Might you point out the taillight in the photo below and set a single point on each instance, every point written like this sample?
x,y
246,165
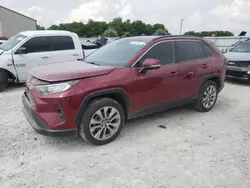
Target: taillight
x,y
226,61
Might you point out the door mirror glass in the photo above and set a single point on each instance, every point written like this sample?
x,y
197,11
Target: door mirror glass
x,y
22,50
150,64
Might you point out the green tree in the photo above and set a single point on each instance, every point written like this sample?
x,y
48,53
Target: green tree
x,y
209,33
38,27
161,31
126,34
110,33
123,28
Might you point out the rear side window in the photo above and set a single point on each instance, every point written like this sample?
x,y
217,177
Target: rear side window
x,y
162,51
207,50
188,51
63,43
38,44
202,54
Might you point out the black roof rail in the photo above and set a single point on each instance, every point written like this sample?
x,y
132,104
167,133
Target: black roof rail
x,y
167,36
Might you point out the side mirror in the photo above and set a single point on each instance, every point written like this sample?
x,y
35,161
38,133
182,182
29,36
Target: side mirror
x,y
22,50
224,50
150,64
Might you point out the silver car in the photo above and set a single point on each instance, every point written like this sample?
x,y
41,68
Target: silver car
x,y
239,60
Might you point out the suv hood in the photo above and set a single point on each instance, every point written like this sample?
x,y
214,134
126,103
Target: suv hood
x,y
238,56
69,71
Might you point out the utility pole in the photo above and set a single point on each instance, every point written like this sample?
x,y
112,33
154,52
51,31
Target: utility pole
x,y
181,26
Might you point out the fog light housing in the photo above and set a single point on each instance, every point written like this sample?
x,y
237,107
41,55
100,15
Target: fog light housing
x,y
60,114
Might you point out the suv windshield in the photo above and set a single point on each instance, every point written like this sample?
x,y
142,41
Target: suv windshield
x,y
116,53
12,42
242,47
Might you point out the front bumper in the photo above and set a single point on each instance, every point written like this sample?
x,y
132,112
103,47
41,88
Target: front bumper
x,y
238,72
39,126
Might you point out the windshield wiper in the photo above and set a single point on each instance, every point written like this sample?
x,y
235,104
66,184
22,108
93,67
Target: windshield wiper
x,y
92,63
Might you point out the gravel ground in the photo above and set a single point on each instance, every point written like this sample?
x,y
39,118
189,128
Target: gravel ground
x,y
195,150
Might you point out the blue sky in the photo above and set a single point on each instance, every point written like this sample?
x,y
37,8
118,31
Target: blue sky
x,y
233,15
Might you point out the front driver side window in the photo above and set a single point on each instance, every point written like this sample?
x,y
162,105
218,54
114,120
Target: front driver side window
x,y
162,51
38,44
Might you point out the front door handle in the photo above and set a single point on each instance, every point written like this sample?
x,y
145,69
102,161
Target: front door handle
x,y
174,73
75,54
189,74
204,66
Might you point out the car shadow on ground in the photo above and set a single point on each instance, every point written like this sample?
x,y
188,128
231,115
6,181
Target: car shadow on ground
x,y
133,125
238,81
13,86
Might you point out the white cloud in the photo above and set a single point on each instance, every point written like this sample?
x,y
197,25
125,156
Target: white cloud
x,y
234,16
198,14
42,15
100,10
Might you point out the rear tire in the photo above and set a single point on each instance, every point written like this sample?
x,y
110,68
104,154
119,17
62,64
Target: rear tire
x,y
102,121
207,96
3,79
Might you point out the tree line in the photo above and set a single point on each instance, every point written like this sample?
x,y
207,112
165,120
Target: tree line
x,y
122,28
116,28
210,33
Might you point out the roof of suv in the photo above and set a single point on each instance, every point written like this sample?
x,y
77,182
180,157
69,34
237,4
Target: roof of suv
x,y
152,38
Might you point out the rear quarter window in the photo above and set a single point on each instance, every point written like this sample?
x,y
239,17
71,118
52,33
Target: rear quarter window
x,y
63,43
207,50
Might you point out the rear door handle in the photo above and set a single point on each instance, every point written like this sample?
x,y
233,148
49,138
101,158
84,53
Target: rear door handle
x,y
205,66
75,54
189,74
45,57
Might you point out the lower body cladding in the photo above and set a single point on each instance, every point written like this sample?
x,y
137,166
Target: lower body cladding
x,y
40,126
238,72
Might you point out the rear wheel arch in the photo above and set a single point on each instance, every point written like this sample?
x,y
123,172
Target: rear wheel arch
x,y
117,94
213,77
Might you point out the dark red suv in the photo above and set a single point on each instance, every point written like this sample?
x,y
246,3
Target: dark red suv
x,y
127,78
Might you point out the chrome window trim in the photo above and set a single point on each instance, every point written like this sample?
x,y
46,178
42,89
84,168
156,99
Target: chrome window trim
x,y
174,50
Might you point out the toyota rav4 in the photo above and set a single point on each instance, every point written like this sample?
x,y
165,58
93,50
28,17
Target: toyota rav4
x,y
127,78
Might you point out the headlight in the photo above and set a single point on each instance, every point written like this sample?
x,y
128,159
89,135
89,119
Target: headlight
x,y
56,88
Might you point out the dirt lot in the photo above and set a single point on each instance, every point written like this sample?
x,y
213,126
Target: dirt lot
x,y
195,150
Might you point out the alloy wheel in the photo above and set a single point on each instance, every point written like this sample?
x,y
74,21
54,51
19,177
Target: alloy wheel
x,y
209,96
104,123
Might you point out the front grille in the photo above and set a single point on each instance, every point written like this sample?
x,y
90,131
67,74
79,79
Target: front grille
x,y
239,63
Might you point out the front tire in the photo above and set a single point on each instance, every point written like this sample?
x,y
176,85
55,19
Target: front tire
x,y
102,121
3,79
207,96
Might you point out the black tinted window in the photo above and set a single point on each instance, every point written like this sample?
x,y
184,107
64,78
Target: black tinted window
x,y
207,50
202,55
63,43
163,52
187,51
38,44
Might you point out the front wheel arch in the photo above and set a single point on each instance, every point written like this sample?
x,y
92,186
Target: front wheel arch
x,y
10,74
118,94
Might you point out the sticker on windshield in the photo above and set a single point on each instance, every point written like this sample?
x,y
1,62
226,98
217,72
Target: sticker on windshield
x,y
138,43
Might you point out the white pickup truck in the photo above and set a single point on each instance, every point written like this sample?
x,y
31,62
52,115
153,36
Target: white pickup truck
x,y
31,49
